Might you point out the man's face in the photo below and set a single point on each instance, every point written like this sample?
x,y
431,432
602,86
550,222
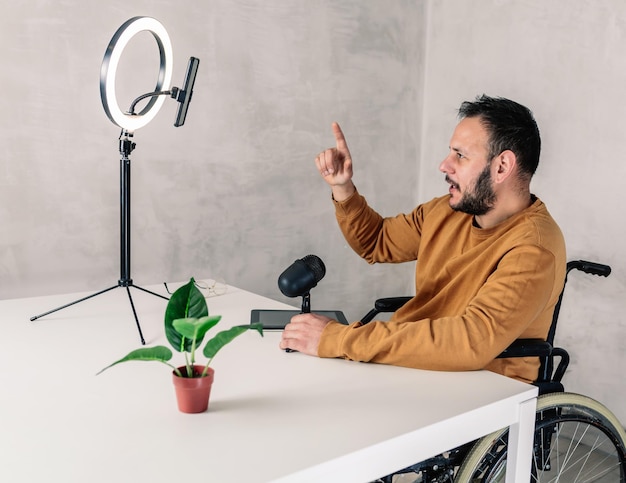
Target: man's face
x,y
468,170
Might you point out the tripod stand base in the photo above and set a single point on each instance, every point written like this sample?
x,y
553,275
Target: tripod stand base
x,y
121,283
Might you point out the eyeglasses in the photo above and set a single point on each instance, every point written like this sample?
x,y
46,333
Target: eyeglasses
x,y
212,287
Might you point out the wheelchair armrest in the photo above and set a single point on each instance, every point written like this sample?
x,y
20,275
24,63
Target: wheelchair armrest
x,y
549,380
390,304
527,348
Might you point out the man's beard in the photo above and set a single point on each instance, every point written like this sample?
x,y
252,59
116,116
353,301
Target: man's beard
x,y
481,199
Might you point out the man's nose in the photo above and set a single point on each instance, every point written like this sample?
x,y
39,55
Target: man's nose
x,y
445,166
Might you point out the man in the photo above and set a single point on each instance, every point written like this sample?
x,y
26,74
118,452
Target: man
x,y
490,258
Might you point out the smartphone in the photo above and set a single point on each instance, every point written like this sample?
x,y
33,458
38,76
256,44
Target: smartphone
x,y
187,91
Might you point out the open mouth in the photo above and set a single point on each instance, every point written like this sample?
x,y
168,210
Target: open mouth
x,y
453,185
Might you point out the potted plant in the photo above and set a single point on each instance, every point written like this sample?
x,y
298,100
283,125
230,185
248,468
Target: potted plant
x,y
187,321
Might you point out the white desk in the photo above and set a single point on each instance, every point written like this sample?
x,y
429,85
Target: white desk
x,y
273,416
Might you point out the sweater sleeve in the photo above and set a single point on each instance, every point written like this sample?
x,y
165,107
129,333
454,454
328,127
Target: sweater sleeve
x,y
368,233
514,296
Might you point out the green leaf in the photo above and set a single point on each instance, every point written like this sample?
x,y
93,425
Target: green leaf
x,y
159,353
227,336
186,302
195,329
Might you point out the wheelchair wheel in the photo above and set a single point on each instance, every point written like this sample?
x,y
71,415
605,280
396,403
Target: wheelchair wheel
x,y
577,439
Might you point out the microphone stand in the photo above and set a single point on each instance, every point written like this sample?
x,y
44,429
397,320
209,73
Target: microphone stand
x,y
306,303
306,309
126,146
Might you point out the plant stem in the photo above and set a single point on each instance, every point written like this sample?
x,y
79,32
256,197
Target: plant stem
x,y
193,350
188,365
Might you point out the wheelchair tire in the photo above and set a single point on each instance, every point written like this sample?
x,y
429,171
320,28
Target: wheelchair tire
x,y
576,439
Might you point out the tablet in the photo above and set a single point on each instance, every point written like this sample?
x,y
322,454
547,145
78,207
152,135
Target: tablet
x,y
277,319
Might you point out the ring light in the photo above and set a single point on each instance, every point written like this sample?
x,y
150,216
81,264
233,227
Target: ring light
x,y
129,121
109,69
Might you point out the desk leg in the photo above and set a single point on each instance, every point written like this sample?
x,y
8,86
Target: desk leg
x,y
520,450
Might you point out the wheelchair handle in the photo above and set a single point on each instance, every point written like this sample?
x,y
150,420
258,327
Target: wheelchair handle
x,y
589,267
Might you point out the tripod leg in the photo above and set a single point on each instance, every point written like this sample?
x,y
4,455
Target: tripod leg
x,y
132,305
73,303
148,291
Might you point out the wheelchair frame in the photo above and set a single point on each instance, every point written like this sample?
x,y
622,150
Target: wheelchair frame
x,y
569,427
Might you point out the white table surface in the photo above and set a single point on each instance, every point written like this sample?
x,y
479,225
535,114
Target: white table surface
x,y
273,416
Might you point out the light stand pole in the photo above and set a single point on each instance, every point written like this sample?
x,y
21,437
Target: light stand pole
x,y
126,146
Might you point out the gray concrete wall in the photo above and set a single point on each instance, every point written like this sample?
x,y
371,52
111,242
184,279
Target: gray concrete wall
x,y
233,193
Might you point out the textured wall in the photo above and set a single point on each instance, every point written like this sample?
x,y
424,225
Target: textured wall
x,y
234,192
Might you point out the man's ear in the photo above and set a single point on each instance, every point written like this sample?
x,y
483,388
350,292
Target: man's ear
x,y
504,165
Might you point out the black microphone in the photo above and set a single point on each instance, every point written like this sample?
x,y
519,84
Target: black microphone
x,y
298,279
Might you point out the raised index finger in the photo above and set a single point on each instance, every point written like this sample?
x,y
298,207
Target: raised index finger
x,y
339,138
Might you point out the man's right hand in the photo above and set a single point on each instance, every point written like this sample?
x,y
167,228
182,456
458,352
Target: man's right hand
x,y
303,333
335,166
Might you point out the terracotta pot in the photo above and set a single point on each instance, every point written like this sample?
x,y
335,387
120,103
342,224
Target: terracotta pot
x,y
192,393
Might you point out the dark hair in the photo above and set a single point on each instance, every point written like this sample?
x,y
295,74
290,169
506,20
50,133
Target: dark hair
x,y
511,126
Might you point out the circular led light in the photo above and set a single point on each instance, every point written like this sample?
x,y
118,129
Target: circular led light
x,y
109,69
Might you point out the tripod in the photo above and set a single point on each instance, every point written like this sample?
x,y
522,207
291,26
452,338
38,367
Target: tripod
x,y
126,146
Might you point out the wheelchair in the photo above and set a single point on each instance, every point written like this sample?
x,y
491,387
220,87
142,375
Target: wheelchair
x,y
576,439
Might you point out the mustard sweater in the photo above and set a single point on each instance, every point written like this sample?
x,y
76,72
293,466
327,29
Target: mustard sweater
x,y
477,290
